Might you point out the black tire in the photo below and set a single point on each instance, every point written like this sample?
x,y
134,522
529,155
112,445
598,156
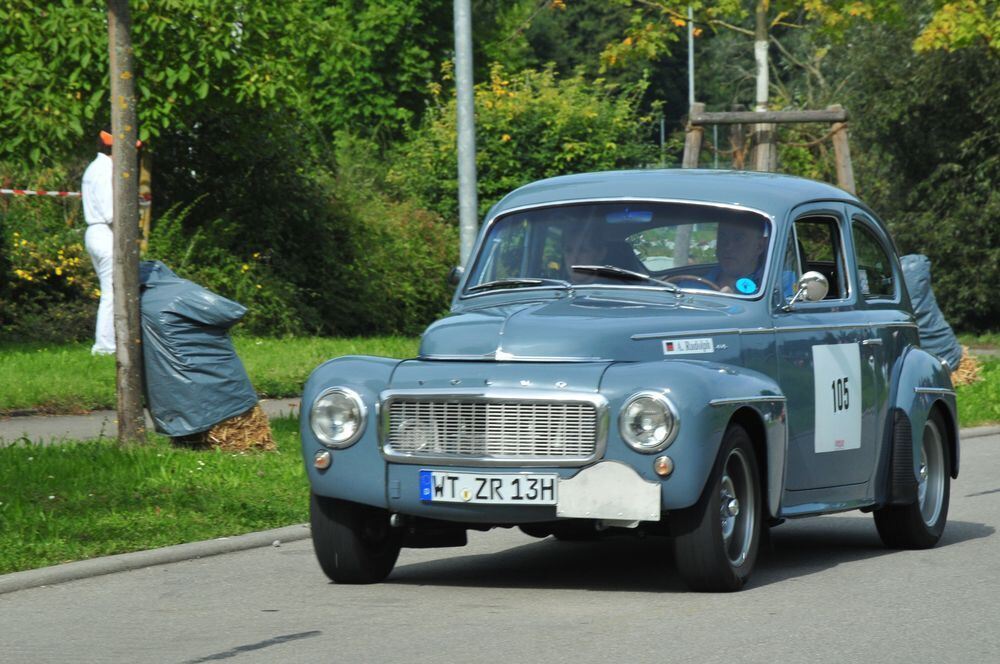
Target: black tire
x,y
353,543
717,548
920,524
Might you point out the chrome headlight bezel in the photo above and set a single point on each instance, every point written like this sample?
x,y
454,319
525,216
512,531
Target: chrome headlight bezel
x,y
358,409
668,409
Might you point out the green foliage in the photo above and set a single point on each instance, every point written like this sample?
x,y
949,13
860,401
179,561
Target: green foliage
x,y
962,24
530,125
930,139
394,256
48,288
80,500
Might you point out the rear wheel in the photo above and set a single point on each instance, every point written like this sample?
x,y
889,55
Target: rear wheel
x,y
718,548
353,543
919,525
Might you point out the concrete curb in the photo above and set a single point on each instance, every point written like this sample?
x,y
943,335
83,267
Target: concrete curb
x,y
47,576
979,432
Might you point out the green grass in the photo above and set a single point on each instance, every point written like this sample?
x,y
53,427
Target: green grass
x,y
81,500
979,403
67,379
987,340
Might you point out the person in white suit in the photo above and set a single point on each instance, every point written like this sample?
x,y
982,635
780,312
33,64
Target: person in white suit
x,y
98,211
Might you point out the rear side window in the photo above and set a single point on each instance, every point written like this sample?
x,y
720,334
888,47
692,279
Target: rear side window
x,y
821,250
875,277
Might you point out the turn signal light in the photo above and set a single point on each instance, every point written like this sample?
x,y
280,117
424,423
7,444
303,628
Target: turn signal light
x,y
663,466
323,459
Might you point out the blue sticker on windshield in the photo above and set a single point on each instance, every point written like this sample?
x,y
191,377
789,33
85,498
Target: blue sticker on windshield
x,y
746,286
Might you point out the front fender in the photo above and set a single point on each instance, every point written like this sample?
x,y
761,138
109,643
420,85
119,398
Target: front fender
x,y
919,383
357,472
708,395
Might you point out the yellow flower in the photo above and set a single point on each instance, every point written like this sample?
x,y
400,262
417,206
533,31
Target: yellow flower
x,y
679,22
58,271
245,267
505,138
259,286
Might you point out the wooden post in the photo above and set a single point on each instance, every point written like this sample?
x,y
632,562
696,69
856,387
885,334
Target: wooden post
x,y
145,198
692,139
842,154
737,142
125,276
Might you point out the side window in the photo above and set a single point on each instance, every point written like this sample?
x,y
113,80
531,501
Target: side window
x,y
875,278
820,250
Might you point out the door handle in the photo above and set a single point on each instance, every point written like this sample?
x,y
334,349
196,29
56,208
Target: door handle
x,y
872,342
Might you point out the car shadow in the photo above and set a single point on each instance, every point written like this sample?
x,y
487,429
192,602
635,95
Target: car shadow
x,y
629,564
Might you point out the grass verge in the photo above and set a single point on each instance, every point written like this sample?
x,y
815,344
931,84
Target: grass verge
x,y
979,403
82,500
68,379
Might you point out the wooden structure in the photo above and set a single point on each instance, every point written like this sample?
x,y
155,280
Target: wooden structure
x,y
763,137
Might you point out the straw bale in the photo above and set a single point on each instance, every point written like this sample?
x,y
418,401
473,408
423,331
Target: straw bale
x,y
250,431
968,369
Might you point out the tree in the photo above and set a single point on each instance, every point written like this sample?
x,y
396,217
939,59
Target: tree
x,y
128,348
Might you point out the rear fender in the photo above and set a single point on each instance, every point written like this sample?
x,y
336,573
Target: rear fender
x,y
920,384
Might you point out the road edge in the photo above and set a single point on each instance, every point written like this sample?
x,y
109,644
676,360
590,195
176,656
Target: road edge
x,y
83,569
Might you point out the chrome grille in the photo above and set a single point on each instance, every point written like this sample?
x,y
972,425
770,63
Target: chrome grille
x,y
462,429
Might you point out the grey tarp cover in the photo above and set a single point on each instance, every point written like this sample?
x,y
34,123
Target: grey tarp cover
x,y
194,379
936,336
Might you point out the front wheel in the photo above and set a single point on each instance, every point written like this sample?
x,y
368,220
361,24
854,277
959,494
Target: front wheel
x,y
718,548
920,524
353,543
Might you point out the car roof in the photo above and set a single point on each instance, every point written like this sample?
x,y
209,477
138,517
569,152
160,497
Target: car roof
x,y
770,193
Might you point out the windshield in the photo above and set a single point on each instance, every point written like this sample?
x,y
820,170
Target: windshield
x,y
651,245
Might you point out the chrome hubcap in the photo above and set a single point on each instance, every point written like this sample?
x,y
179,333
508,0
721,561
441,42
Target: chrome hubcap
x,y
930,485
737,511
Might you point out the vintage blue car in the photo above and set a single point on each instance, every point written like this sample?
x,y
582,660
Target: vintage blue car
x,y
694,354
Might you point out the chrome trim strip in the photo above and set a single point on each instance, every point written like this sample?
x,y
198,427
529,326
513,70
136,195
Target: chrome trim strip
x,y
498,394
838,326
934,390
504,357
698,333
715,403
872,342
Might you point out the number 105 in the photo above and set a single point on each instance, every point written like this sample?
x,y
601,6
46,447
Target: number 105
x,y
841,395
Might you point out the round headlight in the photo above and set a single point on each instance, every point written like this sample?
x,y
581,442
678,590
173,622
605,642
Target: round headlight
x,y
648,422
338,417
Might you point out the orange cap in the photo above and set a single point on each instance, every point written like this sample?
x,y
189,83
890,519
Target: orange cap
x,y
108,139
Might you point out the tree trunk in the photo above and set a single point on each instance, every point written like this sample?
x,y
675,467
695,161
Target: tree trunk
x,y
128,339
765,151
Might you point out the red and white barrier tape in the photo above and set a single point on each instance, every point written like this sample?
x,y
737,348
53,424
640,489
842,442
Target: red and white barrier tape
x,y
40,192
144,199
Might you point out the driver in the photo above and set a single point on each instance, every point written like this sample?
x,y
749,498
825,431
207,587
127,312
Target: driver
x,y
740,248
582,245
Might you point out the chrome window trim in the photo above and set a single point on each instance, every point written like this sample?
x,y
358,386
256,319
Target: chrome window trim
x,y
848,282
869,226
934,390
715,403
495,394
770,330
630,199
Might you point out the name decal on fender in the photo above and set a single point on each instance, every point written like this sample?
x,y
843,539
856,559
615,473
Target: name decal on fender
x,y
688,346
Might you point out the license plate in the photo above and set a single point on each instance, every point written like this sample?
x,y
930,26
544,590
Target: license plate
x,y
437,486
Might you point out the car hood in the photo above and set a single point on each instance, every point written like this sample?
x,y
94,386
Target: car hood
x,y
579,329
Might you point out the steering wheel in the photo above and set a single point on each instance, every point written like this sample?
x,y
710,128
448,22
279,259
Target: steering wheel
x,y
693,277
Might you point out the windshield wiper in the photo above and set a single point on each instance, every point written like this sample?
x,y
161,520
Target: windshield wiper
x,y
517,283
623,274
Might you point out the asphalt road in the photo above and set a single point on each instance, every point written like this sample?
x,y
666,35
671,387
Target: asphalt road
x,y
827,591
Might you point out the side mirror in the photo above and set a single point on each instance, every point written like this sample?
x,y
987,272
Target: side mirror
x,y
812,287
455,275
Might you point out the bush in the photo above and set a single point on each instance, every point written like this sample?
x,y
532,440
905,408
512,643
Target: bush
x,y
48,287
529,125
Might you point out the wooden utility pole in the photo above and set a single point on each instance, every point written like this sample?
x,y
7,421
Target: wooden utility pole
x,y
128,338
765,152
